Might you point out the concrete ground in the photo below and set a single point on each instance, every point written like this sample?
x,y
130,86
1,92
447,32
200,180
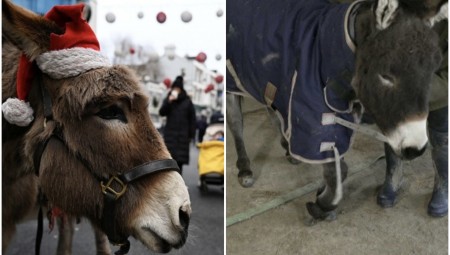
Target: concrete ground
x,y
362,227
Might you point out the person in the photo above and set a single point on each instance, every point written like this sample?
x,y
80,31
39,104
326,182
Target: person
x,y
181,122
201,126
218,136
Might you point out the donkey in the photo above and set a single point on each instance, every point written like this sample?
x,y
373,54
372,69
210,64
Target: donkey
x,y
90,146
319,66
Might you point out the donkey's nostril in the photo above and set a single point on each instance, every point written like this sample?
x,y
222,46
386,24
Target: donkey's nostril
x,y
412,153
184,218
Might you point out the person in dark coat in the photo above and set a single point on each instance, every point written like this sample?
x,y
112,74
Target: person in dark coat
x,y
181,122
201,126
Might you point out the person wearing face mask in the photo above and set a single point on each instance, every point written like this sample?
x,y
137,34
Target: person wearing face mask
x,y
180,124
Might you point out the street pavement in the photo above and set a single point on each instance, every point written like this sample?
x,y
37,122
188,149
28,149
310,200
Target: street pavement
x,y
206,229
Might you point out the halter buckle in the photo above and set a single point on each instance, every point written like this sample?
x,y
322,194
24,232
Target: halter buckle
x,y
108,189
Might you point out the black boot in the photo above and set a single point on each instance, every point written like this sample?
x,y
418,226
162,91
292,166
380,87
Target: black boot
x,y
387,196
438,205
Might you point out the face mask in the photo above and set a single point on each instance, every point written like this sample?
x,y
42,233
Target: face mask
x,y
174,93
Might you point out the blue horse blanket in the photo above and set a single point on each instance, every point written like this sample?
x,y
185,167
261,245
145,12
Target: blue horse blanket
x,y
296,57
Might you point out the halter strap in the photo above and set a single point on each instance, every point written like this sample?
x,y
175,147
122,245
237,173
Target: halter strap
x,y
350,22
149,168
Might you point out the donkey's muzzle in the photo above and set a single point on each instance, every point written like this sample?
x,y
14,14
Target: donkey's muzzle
x,y
410,153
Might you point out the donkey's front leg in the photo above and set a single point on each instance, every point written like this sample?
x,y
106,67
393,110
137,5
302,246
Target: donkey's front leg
x,y
101,242
65,230
394,178
236,124
66,226
329,195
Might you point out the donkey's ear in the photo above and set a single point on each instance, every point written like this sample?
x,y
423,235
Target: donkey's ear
x,y
385,12
440,14
28,31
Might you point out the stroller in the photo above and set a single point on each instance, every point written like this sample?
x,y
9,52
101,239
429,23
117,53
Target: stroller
x,y
211,154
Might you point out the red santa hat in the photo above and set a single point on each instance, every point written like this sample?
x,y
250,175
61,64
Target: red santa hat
x,y
70,54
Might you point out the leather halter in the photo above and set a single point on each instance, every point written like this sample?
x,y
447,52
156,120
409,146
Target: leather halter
x,y
351,25
112,188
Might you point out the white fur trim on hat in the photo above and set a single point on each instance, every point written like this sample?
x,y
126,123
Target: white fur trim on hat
x,y
71,62
17,112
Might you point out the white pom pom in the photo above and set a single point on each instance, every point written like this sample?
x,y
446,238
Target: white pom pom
x,y
17,112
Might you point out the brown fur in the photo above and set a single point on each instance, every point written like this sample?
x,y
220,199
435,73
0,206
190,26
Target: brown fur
x,y
34,30
108,146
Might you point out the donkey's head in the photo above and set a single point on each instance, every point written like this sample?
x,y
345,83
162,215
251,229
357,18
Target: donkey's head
x,y
396,57
98,132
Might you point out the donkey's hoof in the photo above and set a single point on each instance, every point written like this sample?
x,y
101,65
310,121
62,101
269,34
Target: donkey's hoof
x,y
386,202
292,160
310,221
331,216
386,197
246,178
246,181
318,214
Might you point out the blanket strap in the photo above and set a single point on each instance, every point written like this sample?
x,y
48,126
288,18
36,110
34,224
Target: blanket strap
x,y
233,73
330,146
338,191
269,93
331,118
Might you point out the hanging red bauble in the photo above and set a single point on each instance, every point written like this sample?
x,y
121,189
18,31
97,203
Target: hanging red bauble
x,y
161,17
209,88
201,57
167,82
219,78
132,51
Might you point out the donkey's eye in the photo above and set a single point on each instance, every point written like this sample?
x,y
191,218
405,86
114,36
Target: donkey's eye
x,y
112,112
386,80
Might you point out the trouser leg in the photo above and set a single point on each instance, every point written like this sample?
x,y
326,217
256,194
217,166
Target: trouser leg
x,y
438,134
